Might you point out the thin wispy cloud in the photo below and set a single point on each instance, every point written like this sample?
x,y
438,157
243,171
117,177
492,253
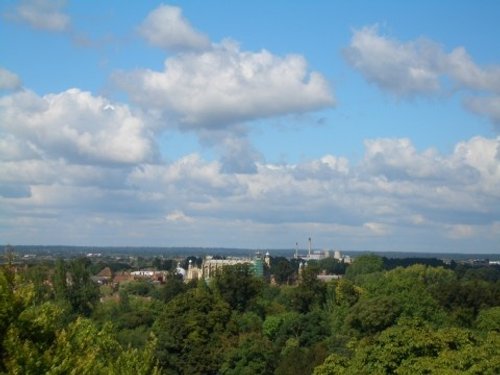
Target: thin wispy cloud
x,y
45,15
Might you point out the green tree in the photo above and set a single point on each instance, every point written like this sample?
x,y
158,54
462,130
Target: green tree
x,y
297,360
411,288
191,332
332,266
30,337
310,293
253,355
363,265
59,280
38,275
82,292
489,319
417,349
174,285
238,286
371,315
83,349
282,270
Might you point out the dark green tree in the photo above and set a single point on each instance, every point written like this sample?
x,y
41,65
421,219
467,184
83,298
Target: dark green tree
x,y
371,315
191,332
363,265
310,293
282,270
82,291
253,355
238,286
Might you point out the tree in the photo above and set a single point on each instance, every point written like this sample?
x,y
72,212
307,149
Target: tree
x,y
282,270
82,292
371,315
191,332
411,288
363,265
59,280
310,293
419,349
174,285
163,264
298,360
332,266
489,319
237,285
83,349
7,308
254,354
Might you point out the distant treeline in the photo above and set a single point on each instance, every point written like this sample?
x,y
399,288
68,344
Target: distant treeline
x,y
177,251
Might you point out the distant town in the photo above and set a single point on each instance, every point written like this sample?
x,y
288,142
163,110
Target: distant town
x,y
115,265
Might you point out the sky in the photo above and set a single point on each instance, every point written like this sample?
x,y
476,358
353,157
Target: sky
x,y
363,125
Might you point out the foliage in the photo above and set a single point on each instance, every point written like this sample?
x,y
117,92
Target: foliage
x,y
190,332
372,315
416,349
283,270
489,319
237,285
416,319
139,287
364,264
332,266
73,285
254,354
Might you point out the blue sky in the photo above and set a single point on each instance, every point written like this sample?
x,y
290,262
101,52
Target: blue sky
x,y
365,125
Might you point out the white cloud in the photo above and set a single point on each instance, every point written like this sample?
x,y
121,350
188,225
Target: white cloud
x,y
404,69
481,154
178,216
378,229
460,66
43,14
216,90
12,148
225,86
165,27
77,126
420,67
355,205
9,80
485,106
460,231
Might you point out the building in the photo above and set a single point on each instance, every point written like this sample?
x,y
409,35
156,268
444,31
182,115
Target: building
x,y
211,266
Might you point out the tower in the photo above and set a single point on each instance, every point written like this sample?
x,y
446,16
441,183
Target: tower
x,y
267,259
296,256
309,254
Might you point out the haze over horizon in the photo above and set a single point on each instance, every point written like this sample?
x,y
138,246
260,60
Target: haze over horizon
x,y
251,124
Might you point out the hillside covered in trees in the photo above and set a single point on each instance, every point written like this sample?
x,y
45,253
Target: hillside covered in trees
x,y
380,318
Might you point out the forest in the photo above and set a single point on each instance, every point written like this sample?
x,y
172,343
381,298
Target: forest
x,y
381,317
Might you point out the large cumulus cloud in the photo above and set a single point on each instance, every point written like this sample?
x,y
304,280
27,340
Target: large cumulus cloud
x,y
225,86
216,89
75,125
